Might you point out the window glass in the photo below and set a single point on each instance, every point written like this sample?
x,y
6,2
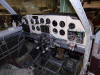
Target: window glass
x,y
35,6
5,22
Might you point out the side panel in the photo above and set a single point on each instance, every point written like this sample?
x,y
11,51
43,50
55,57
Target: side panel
x,y
95,59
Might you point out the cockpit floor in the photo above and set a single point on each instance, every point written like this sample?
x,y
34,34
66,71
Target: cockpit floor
x,y
12,70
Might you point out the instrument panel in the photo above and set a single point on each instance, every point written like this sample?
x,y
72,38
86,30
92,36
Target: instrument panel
x,y
68,28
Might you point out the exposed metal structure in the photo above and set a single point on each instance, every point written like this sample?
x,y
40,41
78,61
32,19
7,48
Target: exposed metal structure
x,y
7,6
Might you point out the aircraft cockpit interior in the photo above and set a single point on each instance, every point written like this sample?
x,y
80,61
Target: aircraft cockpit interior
x,y
57,39
49,43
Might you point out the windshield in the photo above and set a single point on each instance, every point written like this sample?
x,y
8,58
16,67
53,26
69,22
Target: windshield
x,y
39,6
35,6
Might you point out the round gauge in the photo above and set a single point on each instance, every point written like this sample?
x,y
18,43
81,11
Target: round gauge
x,y
62,32
71,25
33,27
54,23
48,21
41,20
32,21
55,30
62,23
38,28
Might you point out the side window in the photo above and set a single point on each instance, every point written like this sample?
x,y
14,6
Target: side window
x,y
5,22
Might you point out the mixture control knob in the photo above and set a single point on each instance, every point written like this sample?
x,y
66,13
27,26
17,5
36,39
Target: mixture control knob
x,y
43,51
37,47
47,49
36,41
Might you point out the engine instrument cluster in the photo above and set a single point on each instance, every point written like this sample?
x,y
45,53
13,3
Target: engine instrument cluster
x,y
61,27
76,36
